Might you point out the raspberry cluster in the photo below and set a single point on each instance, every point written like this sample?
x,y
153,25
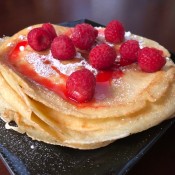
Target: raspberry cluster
x,y
149,59
81,83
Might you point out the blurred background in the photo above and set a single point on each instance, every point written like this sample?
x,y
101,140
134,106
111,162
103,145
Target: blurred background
x,y
154,19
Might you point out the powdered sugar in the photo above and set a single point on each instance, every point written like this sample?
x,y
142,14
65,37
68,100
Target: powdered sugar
x,y
127,35
22,37
38,61
101,37
29,28
10,44
141,42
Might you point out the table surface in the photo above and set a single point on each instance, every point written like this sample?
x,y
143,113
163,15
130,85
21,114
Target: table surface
x,y
154,19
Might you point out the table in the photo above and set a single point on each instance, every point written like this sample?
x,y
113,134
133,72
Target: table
x,y
153,19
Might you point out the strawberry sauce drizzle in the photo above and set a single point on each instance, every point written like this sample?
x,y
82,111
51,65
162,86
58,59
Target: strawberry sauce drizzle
x,y
14,55
103,78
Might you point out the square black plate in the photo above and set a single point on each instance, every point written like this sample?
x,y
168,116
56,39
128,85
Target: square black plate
x,y
25,156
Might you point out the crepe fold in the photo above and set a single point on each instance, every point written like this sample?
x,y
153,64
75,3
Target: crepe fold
x,y
138,101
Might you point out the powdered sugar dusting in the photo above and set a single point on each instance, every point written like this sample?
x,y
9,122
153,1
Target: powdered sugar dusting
x,y
168,59
78,55
69,68
141,42
38,61
101,37
10,44
29,28
3,40
22,37
127,35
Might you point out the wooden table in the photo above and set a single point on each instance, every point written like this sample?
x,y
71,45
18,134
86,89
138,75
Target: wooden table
x,y
153,19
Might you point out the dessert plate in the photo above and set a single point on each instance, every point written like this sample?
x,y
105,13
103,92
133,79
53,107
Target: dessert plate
x,y
25,156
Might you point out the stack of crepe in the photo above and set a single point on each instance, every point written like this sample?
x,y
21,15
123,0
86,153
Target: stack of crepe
x,y
138,101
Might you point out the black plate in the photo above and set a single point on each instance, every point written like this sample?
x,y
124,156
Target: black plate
x,y
25,156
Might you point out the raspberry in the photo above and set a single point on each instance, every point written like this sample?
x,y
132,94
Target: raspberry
x,y
125,62
50,29
81,85
84,36
62,48
114,32
150,59
129,50
95,33
39,39
102,56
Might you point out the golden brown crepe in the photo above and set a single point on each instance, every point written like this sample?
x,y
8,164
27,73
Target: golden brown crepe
x,y
137,101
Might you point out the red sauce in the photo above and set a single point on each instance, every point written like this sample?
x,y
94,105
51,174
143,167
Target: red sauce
x,y
103,79
108,75
27,70
103,83
14,55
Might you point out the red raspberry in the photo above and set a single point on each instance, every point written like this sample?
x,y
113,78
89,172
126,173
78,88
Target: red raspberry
x,y
129,50
62,48
125,62
50,29
81,85
84,36
150,59
114,32
39,39
102,56
95,33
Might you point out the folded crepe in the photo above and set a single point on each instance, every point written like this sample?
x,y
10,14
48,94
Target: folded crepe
x,y
132,103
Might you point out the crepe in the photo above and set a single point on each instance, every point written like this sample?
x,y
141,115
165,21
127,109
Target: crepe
x,y
134,102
